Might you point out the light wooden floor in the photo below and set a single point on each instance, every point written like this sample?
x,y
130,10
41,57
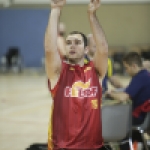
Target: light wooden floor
x,y
24,110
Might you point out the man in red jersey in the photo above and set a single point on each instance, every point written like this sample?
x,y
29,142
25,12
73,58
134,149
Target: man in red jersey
x,y
75,87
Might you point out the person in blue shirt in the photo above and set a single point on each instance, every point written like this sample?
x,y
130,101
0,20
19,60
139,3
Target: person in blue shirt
x,y
138,89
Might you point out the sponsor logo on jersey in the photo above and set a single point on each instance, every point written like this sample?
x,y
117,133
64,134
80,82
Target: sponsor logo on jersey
x,y
80,89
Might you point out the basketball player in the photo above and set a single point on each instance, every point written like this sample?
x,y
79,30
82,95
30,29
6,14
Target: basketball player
x,y
75,86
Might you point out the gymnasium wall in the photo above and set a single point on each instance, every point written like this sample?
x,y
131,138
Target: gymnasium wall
x,y
24,28
124,25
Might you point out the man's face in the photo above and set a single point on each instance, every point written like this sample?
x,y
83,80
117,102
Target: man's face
x,y
75,47
129,69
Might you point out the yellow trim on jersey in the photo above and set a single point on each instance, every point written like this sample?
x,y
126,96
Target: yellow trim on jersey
x,y
110,69
85,61
88,68
50,130
71,68
94,104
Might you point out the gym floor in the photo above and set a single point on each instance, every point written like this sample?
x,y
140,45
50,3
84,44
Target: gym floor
x,y
24,109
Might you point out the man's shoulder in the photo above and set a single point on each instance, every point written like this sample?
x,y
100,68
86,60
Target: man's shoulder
x,y
141,75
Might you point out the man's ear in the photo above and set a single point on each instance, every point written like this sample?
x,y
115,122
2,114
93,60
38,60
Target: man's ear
x,y
87,49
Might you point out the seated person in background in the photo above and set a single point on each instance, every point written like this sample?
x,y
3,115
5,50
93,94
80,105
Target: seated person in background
x,y
138,89
109,76
12,59
11,56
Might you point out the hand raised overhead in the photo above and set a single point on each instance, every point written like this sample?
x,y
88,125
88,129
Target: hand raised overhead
x,y
93,5
57,3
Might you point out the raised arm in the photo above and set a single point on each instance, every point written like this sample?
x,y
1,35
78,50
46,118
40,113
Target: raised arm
x,y
61,40
52,57
101,54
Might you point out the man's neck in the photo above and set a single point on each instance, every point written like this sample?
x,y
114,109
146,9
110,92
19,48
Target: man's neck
x,y
138,70
77,62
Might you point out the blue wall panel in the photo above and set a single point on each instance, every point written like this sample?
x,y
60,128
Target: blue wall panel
x,y
24,28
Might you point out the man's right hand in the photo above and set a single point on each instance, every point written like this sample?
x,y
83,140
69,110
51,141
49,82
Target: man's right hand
x,y
93,6
57,3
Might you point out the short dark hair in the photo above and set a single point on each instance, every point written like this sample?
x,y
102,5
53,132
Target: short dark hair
x,y
133,58
83,36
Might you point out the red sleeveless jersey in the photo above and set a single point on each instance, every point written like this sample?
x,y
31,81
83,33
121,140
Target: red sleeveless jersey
x,y
76,117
